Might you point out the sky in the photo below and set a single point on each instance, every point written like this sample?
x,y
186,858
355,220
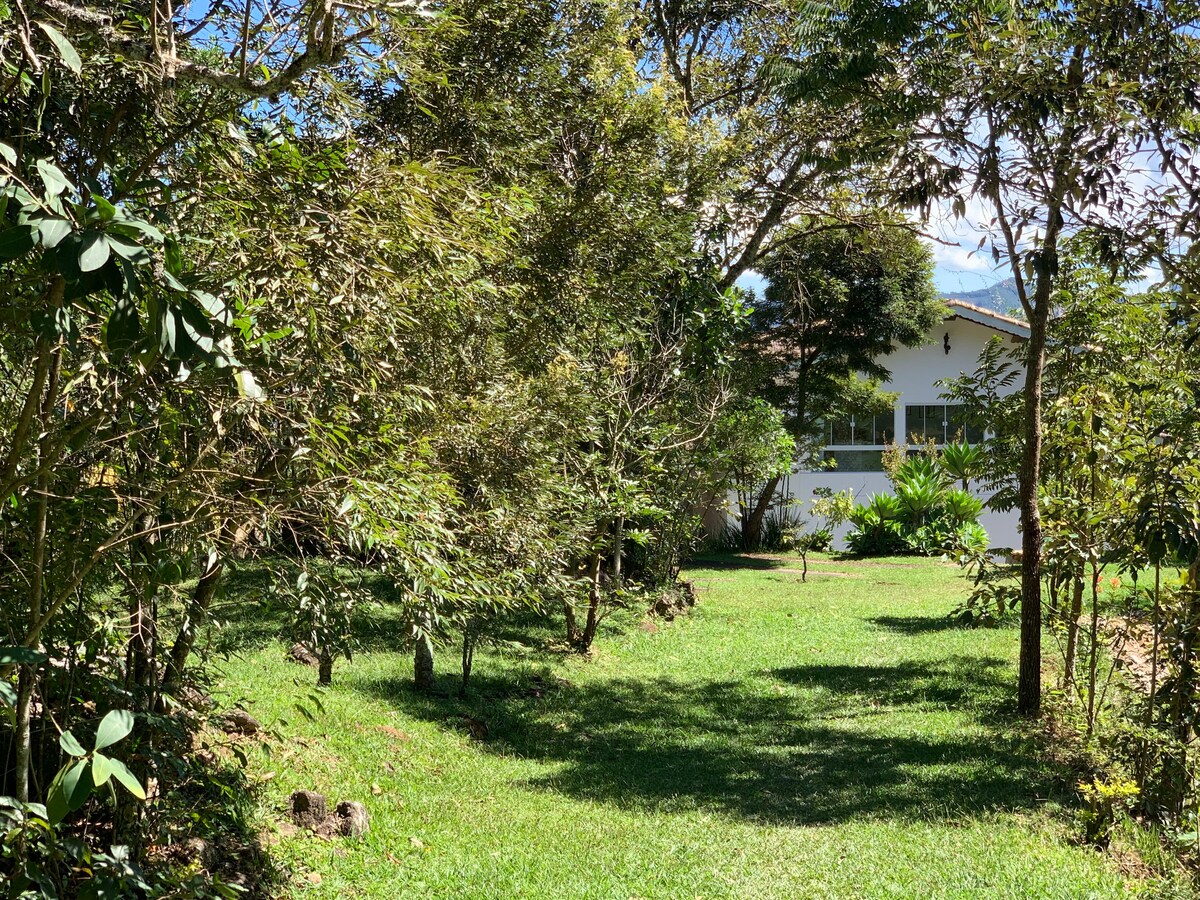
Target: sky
x,y
956,269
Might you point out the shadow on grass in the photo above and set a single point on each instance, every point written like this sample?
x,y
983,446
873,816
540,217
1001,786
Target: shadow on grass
x,y
975,685
255,620
737,561
812,756
916,625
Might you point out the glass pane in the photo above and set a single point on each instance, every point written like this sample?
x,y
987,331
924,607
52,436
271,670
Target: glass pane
x,y
961,430
864,431
957,429
935,423
885,428
914,421
856,460
841,431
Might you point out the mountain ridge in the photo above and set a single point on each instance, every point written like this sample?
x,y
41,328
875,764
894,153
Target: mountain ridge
x,y
1000,297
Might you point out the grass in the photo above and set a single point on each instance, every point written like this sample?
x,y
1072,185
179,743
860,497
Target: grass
x,y
839,738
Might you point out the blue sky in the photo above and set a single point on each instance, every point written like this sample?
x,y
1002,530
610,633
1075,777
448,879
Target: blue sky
x,y
955,270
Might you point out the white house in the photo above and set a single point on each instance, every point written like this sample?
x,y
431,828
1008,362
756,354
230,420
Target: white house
x,y
857,445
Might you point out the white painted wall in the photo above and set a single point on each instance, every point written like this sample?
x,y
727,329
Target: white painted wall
x,y
914,373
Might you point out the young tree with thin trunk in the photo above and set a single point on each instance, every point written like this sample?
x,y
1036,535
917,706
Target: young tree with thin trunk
x,y
1014,118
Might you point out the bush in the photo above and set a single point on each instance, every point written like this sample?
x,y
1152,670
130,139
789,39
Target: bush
x,y
879,530
996,592
1108,801
925,516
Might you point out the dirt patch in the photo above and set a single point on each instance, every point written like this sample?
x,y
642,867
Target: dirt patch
x,y
393,732
1132,646
783,570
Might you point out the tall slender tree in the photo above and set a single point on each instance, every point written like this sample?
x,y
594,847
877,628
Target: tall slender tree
x,y
1014,115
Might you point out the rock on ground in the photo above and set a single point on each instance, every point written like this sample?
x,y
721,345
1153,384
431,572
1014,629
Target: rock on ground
x,y
308,808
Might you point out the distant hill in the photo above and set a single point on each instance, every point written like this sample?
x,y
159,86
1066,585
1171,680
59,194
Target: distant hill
x,y
1000,297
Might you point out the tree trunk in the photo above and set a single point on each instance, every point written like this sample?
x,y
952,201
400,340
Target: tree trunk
x,y
753,524
28,677
202,597
325,667
142,626
618,550
1093,653
1054,586
1175,767
1075,610
26,680
1156,624
573,633
593,612
468,658
423,653
1029,680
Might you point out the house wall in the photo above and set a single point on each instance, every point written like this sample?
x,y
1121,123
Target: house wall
x,y
914,373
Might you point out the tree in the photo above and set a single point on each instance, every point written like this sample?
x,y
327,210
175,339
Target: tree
x,y
1019,112
838,300
765,162
754,448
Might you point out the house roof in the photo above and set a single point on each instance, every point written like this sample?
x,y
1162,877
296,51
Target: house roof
x,y
960,309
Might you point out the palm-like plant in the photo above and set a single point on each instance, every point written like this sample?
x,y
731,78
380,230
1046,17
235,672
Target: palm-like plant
x,y
918,467
962,506
886,507
919,495
961,462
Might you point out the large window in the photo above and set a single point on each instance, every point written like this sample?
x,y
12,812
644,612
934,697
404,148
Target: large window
x,y
855,460
861,431
841,435
942,422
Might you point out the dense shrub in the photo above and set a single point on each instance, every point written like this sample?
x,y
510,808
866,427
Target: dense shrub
x,y
925,516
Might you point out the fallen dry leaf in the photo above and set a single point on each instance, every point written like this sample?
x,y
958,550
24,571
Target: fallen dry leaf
x,y
393,732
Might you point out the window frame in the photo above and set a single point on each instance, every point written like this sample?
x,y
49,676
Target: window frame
x,y
886,429
946,425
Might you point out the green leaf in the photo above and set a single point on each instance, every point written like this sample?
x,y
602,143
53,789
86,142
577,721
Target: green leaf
x,y
95,251
212,306
23,656
174,256
66,50
164,320
54,179
247,386
8,694
54,324
102,769
71,744
124,325
51,230
132,228
8,154
127,249
113,727
106,209
16,241
68,791
123,775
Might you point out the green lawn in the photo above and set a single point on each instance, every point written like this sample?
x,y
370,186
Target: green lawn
x,y
838,738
